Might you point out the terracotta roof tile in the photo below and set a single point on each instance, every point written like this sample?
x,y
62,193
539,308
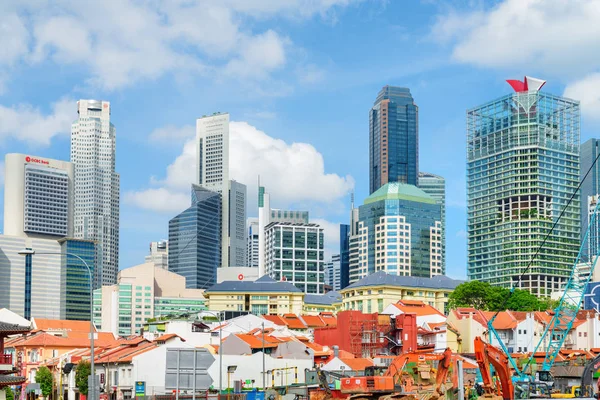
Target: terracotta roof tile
x,y
276,319
416,307
167,337
254,342
314,321
357,364
345,354
319,350
328,318
61,325
294,322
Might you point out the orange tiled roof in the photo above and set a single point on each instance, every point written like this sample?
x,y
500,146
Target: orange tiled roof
x,y
276,319
293,322
254,342
45,339
345,354
125,354
328,318
61,325
318,349
167,337
435,325
416,307
313,321
357,364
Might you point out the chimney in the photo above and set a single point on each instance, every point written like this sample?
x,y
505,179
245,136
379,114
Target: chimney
x,y
336,351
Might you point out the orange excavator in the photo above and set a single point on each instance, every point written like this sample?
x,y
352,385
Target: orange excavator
x,y
394,384
487,354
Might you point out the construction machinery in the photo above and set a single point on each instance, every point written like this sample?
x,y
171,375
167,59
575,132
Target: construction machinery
x,y
395,383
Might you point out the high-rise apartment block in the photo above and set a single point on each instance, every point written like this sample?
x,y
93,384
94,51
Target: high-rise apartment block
x,y
38,195
252,246
294,253
398,231
435,186
96,200
195,239
590,189
159,254
523,167
267,215
393,138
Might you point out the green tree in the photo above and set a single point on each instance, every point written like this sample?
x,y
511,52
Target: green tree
x,y
82,372
522,300
10,395
476,294
44,377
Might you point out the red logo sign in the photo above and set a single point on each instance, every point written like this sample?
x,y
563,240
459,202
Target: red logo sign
x,y
240,277
36,160
105,105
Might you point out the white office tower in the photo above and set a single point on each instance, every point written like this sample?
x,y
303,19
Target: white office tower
x,y
212,161
252,246
38,195
93,149
237,224
159,254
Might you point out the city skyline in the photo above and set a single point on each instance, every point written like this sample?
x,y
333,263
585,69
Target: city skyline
x,y
304,104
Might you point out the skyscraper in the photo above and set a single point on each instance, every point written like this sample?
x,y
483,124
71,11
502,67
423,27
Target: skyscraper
x,y
344,255
212,161
194,239
159,254
333,276
393,138
237,224
523,166
435,186
590,188
398,232
38,197
252,246
294,253
96,200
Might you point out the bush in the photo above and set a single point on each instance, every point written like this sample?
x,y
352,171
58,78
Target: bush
x,y
82,372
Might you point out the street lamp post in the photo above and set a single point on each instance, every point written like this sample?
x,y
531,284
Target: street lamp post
x,y
220,349
29,252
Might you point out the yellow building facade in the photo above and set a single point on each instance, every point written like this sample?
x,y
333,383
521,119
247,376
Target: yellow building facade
x,y
376,291
264,296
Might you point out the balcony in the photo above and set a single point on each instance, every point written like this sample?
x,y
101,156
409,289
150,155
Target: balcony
x,y
6,362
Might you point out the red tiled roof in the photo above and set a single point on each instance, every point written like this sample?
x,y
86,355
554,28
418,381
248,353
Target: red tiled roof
x,y
328,318
254,342
357,364
293,322
168,337
313,321
318,349
435,325
416,307
61,325
123,354
46,339
345,354
276,319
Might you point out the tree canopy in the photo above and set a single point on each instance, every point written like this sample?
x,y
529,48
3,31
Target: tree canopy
x,y
82,372
44,377
10,395
485,297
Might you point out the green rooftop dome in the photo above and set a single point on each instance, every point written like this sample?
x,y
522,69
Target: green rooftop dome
x,y
399,191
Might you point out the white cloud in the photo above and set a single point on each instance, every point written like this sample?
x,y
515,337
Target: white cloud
x,y
29,124
159,199
552,36
587,91
292,173
123,42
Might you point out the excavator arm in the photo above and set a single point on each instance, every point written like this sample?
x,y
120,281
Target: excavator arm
x,y
587,378
487,354
445,360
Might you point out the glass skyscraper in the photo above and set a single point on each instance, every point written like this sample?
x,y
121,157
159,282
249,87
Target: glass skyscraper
x,y
195,240
393,138
399,232
590,188
435,186
344,255
76,289
523,166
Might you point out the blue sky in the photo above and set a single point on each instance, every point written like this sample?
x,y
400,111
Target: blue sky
x,y
298,78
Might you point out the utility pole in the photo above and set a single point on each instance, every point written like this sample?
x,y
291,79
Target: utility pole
x,y
263,355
